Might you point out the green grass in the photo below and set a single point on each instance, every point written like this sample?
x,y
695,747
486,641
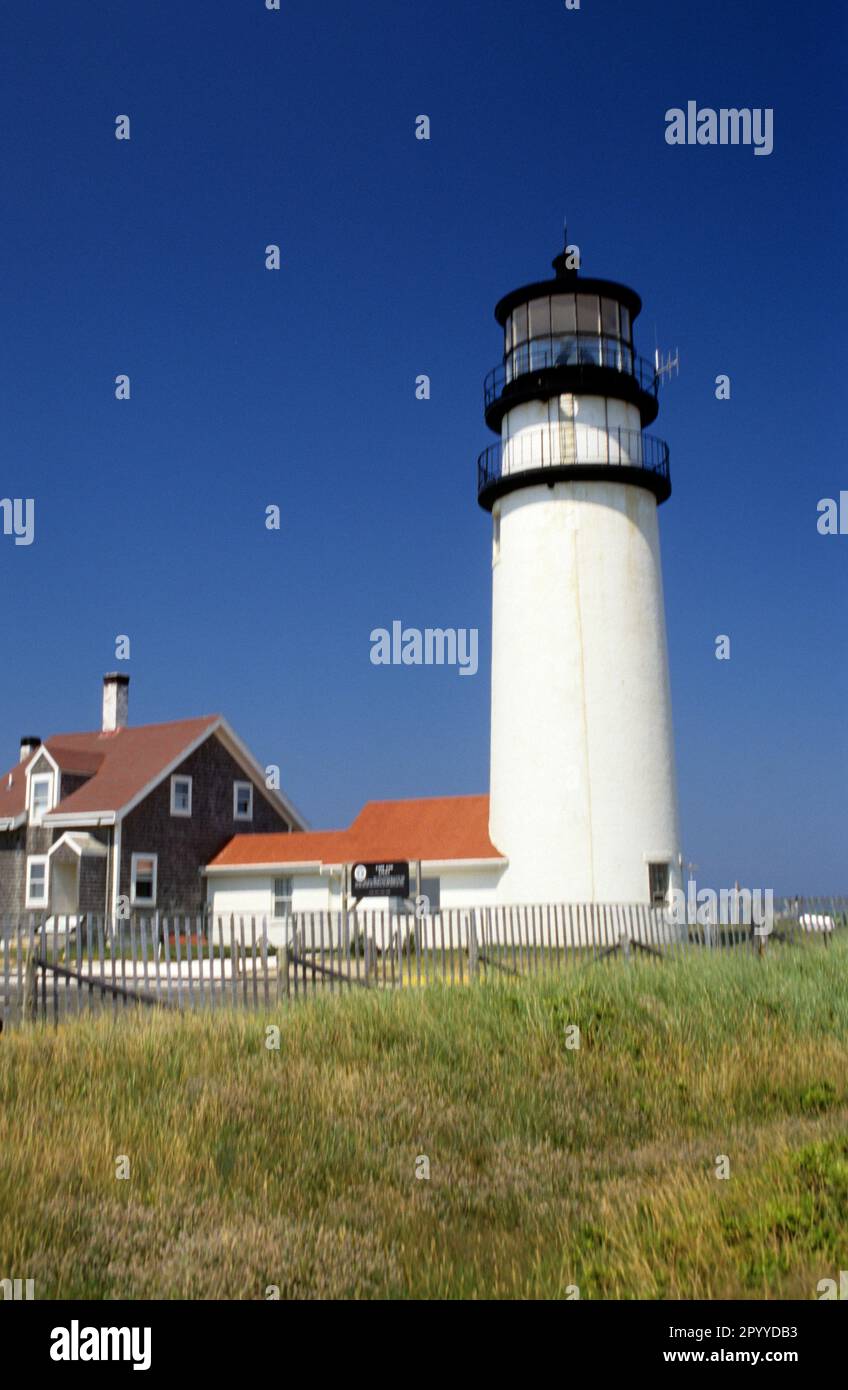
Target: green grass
x,y
549,1167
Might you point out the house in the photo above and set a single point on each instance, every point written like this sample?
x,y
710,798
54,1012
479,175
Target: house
x,y
444,840
125,819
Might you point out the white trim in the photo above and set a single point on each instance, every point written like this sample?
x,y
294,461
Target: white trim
x,y
81,818
242,754
233,745
42,751
237,815
33,859
435,864
322,866
135,901
181,777
164,772
113,817
307,864
70,838
116,869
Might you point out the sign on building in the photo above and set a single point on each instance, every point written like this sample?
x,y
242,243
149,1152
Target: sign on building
x,y
380,880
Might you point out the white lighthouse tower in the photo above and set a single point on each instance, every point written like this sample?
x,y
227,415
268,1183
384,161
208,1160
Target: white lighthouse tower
x,y
583,791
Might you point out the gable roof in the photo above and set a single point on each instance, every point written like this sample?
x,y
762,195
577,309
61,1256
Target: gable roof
x,y
435,829
118,765
121,766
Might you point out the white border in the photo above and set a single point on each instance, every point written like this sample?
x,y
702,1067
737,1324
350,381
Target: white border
x,y
182,777
38,859
236,788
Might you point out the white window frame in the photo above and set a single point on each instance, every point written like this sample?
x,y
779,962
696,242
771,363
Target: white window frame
x,y
33,859
236,814
135,900
181,777
49,778
286,897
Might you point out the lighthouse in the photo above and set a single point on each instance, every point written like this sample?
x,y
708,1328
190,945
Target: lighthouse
x,y
583,799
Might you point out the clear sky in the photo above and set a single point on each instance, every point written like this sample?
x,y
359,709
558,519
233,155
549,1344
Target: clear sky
x,y
296,388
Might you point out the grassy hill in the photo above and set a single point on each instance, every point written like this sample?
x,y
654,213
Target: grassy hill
x,y
550,1166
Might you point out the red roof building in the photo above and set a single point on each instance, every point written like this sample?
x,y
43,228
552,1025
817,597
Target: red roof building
x,y
121,819
443,842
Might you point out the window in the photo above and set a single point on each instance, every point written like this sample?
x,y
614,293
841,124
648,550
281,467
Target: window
x,y
36,880
180,796
540,318
658,880
143,880
283,891
563,316
625,323
609,318
243,801
496,535
519,325
587,313
40,796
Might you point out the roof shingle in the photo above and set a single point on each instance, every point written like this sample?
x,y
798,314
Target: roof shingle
x,y
119,765
433,828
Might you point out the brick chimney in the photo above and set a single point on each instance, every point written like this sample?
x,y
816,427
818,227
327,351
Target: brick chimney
x,y
29,743
115,701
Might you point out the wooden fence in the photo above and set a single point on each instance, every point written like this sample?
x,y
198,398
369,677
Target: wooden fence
x,y
63,967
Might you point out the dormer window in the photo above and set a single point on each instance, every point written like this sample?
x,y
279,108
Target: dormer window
x,y
40,796
242,801
180,795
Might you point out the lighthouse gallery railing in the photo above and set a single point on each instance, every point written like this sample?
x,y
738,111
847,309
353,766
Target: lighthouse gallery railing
x,y
569,350
556,447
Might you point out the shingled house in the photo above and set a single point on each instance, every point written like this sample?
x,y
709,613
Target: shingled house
x,y
126,818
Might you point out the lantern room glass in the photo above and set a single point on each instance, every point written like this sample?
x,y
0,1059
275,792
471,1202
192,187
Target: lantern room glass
x,y
565,329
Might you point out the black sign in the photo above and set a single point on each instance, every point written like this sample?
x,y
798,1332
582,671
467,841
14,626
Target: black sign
x,y
380,880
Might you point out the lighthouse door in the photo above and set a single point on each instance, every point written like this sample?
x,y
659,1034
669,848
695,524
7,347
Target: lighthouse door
x,y
567,442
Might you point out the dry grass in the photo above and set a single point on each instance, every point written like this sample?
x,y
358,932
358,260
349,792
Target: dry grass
x,y
549,1167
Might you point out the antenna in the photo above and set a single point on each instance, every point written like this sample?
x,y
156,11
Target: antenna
x,y
666,366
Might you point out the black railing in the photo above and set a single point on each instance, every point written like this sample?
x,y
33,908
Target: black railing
x,y
577,447
569,350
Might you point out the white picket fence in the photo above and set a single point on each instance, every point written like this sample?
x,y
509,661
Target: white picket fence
x,y
62,967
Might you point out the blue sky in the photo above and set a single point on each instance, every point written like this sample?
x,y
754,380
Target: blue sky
x,y
297,388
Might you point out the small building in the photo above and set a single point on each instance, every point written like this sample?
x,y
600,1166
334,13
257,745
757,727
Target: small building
x,y
444,840
125,819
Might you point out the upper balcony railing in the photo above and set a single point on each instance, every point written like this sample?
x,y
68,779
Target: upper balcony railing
x,y
565,451
570,350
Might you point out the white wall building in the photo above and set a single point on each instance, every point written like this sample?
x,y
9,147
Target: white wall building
x,y
583,789
445,841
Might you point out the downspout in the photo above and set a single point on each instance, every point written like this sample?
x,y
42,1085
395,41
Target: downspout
x,y
116,868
